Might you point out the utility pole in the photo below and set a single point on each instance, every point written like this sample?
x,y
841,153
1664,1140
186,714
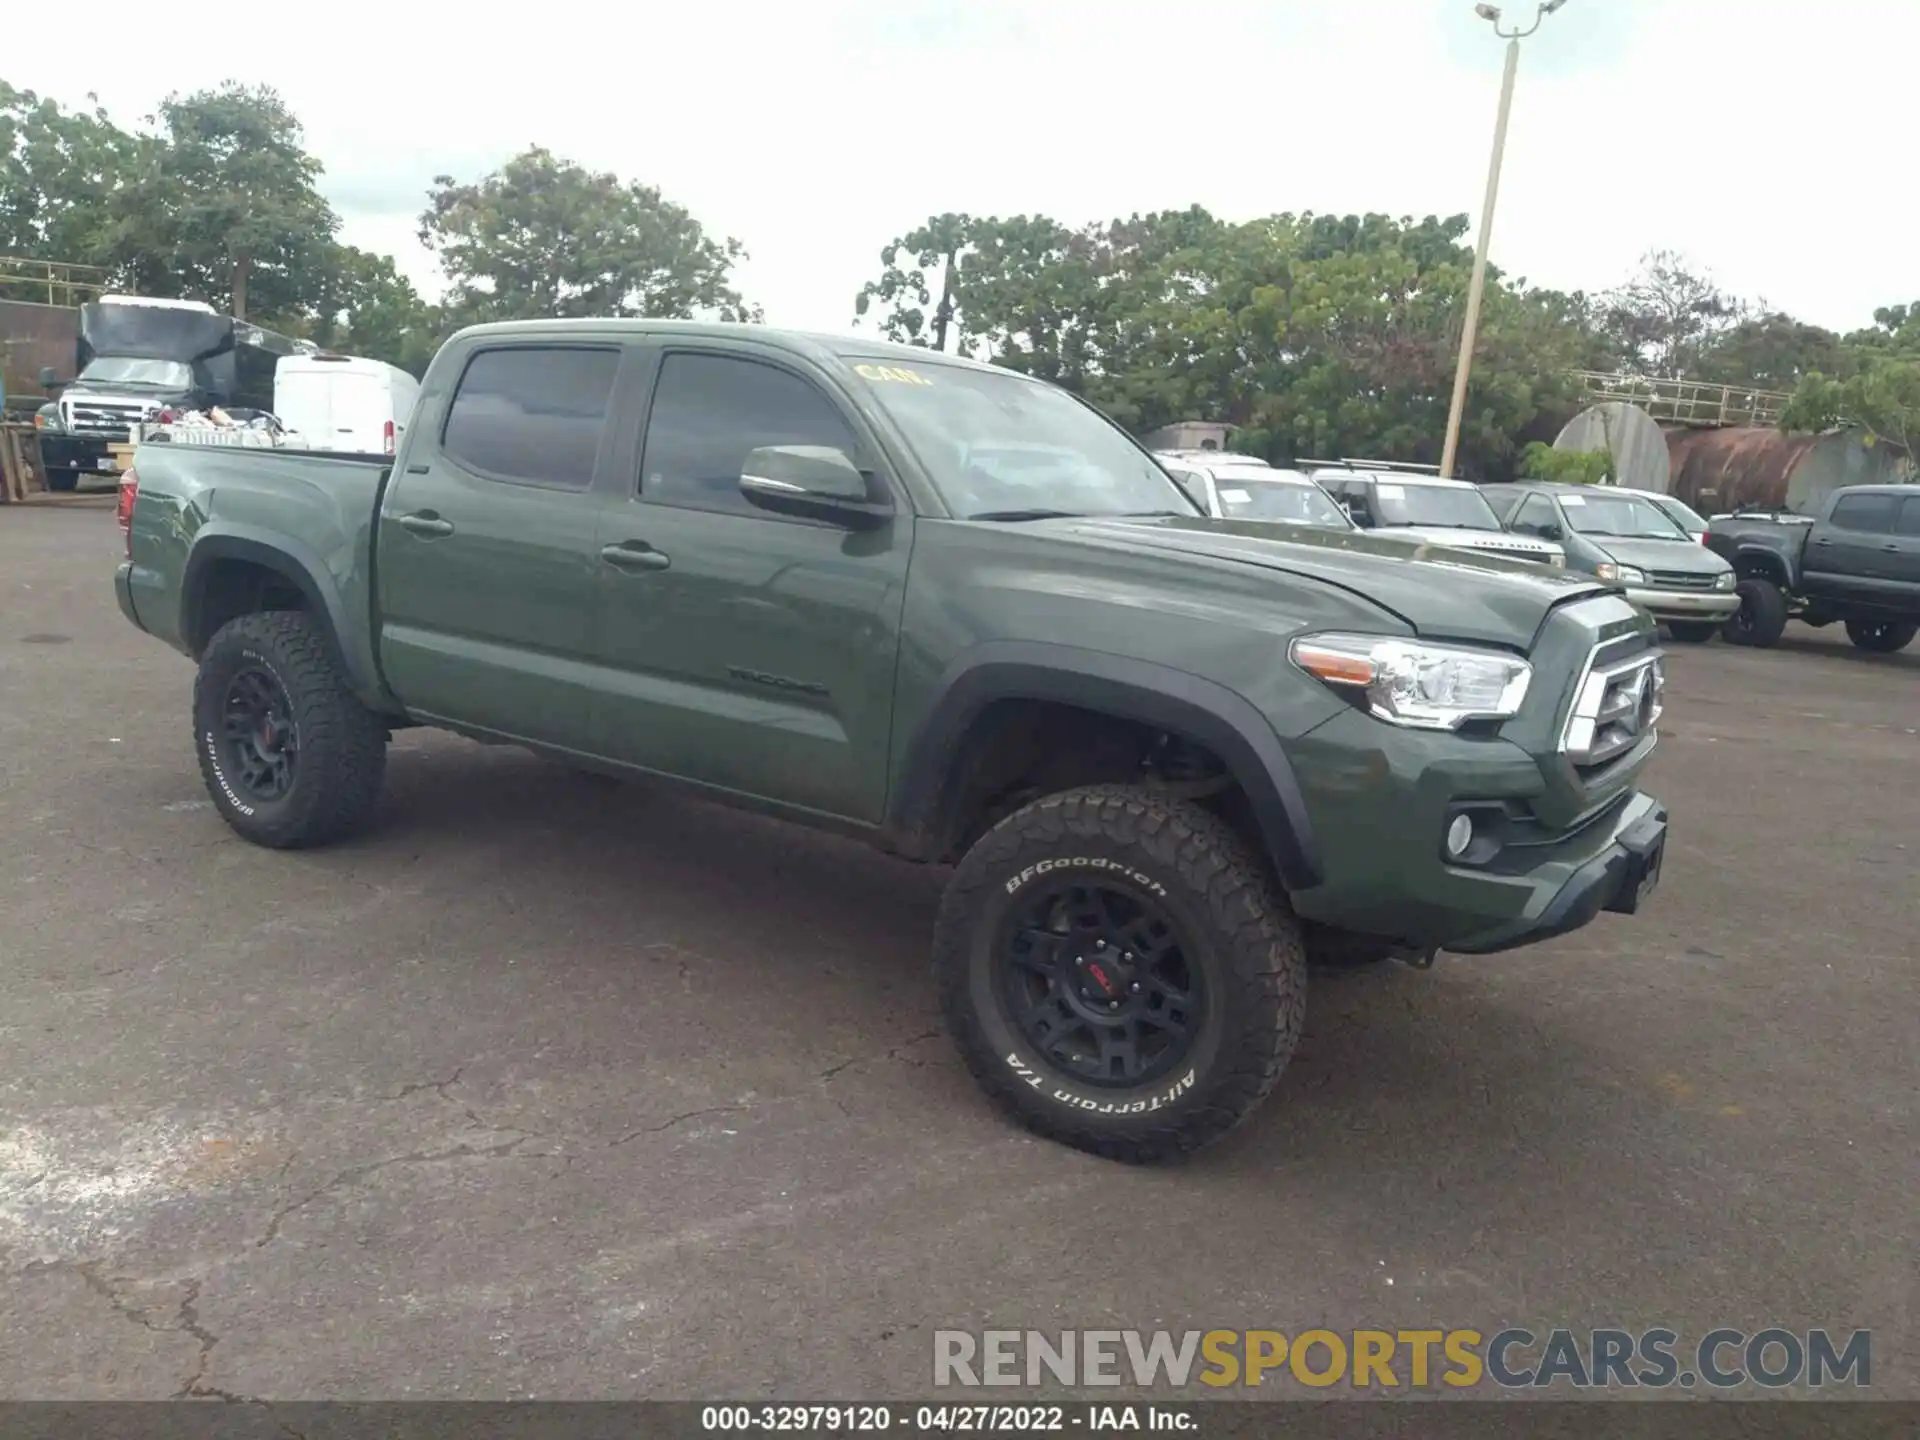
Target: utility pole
x,y
1470,330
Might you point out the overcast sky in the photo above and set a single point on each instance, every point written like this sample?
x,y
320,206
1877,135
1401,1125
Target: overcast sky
x,y
1767,140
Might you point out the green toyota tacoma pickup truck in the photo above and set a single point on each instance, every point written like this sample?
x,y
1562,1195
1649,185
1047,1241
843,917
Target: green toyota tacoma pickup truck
x,y
952,610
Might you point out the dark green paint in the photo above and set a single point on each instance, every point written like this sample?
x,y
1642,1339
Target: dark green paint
x,y
788,664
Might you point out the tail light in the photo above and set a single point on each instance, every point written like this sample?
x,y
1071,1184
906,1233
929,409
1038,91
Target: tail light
x,y
129,492
389,437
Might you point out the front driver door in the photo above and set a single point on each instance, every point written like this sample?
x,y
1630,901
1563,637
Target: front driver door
x,y
753,652
1849,555
486,560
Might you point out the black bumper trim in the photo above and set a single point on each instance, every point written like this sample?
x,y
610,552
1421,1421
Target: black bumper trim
x,y
1616,880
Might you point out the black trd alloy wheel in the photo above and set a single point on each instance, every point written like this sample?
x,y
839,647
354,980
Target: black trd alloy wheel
x,y
290,757
1119,973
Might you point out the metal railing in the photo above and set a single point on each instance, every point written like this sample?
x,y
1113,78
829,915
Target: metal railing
x,y
1685,402
61,283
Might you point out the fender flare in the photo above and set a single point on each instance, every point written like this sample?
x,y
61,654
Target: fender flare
x,y
306,572
1772,560
920,814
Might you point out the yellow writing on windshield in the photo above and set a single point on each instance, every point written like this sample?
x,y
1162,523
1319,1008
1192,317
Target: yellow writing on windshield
x,y
895,374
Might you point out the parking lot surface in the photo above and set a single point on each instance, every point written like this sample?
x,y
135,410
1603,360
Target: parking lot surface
x,y
553,1088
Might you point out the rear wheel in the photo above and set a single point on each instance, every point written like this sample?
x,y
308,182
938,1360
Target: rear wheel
x,y
1693,632
288,754
1762,617
1882,637
1117,973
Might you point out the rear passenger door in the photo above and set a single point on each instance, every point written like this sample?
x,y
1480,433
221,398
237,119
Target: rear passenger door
x,y
749,651
1849,555
1906,553
486,560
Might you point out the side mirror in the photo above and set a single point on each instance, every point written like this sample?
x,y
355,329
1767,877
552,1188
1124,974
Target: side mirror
x,y
49,377
1553,532
815,482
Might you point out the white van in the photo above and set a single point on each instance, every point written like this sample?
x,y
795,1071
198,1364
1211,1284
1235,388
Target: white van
x,y
342,402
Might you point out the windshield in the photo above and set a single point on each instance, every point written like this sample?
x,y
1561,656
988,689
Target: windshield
x,y
1626,517
1295,502
1448,506
1682,515
125,370
1000,446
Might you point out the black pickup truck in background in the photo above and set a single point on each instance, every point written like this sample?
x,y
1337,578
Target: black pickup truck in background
x,y
1856,560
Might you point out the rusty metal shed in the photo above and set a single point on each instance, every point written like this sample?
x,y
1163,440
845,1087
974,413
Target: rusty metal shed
x,y
1759,466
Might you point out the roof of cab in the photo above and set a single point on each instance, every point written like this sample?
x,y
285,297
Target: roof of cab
x,y
806,342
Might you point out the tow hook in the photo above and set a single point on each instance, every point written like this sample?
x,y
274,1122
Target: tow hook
x,y
1418,959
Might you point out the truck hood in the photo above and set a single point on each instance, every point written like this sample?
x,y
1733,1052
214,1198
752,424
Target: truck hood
x,y
1676,557
1440,592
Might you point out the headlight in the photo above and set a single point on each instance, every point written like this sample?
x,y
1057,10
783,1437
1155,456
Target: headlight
x,y
1723,581
1411,683
1621,574
47,417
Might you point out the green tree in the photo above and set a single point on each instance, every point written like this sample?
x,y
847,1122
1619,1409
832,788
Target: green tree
x,y
364,306
542,236
1540,461
58,172
1883,398
1668,318
222,204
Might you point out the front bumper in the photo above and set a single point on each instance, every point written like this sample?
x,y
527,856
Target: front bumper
x,y
1619,879
1686,604
61,450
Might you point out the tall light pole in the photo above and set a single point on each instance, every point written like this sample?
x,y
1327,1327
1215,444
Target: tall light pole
x,y
1471,330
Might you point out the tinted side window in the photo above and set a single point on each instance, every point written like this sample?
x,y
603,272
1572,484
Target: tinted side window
x,y
710,410
532,413
1871,513
1910,515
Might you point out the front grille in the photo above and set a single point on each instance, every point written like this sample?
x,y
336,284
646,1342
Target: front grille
x,y
114,422
1679,580
1616,707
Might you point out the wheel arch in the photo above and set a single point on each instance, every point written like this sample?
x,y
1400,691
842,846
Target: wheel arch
x,y
1760,562
217,553
924,811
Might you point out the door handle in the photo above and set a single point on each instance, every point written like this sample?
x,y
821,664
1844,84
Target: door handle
x,y
634,555
1822,540
425,522
1891,545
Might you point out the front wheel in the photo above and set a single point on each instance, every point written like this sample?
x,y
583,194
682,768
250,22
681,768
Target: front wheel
x,y
1762,617
1882,637
1693,632
289,756
1118,974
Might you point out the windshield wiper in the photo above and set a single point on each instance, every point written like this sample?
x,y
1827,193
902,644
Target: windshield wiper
x,y
1027,515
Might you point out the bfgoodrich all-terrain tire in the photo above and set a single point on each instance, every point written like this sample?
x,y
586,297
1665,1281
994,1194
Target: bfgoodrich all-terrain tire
x,y
1118,973
1762,617
290,757
1882,637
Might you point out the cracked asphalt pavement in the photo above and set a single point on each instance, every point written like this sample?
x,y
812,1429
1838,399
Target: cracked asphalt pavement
x,y
555,1088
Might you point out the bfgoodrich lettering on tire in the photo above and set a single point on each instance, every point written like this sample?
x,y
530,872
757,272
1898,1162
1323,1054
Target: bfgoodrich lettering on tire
x,y
1118,973
289,756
